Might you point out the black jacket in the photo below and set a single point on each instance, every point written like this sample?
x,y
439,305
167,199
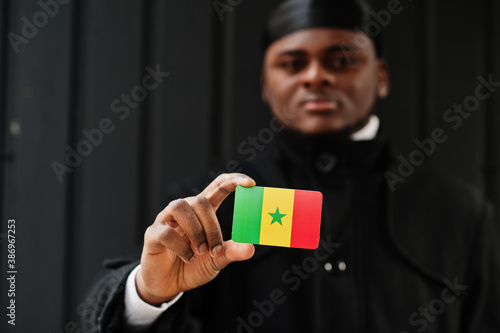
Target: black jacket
x,y
424,258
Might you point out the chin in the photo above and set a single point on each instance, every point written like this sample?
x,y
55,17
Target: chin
x,y
322,128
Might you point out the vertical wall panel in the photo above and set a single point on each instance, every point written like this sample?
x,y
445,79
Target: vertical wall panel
x,y
107,196
4,47
460,60
4,185
491,158
247,113
178,132
403,38
37,98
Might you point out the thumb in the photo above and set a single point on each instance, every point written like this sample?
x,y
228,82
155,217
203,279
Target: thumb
x,y
234,252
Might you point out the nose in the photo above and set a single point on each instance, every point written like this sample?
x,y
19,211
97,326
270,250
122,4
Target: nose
x,y
317,76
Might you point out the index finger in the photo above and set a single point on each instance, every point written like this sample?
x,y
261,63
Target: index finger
x,y
222,186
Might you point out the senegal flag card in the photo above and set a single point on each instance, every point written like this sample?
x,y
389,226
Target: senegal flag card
x,y
277,217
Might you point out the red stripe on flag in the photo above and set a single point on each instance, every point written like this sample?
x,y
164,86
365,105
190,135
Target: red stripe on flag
x,y
306,219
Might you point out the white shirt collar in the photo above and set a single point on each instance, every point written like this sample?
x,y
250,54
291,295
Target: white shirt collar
x,y
369,131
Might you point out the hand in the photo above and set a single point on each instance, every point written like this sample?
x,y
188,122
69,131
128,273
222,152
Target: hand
x,y
184,249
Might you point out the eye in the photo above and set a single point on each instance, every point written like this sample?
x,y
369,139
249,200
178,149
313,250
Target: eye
x,y
293,65
343,59
341,62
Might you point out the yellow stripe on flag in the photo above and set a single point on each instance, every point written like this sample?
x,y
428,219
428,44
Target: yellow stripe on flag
x,y
277,217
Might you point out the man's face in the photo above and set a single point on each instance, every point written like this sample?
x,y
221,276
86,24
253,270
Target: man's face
x,y
323,80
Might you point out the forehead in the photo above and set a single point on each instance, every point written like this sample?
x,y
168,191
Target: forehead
x,y
320,39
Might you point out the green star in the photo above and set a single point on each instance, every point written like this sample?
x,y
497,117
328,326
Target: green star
x,y
277,216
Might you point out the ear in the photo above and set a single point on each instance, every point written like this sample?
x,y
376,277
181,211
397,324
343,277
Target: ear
x,y
384,84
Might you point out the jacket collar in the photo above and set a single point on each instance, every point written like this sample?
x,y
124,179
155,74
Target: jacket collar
x,y
330,154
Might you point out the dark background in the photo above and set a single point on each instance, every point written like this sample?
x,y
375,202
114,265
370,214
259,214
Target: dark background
x,y
65,78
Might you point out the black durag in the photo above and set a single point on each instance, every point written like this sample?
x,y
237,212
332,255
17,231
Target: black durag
x,y
294,15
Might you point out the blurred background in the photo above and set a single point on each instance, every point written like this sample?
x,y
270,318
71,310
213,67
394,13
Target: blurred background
x,y
67,67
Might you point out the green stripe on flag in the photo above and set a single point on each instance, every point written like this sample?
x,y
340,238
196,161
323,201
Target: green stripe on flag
x,y
247,214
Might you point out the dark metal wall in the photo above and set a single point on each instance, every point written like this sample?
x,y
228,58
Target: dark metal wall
x,y
74,74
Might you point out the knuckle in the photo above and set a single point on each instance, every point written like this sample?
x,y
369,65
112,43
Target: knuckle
x,y
159,216
203,202
220,188
157,238
223,176
222,179
179,205
150,233
167,235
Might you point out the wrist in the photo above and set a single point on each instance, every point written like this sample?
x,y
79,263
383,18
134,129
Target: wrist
x,y
147,296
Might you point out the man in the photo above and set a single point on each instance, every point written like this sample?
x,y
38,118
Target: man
x,y
424,258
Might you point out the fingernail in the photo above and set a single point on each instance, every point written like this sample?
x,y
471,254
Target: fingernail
x,y
217,250
203,248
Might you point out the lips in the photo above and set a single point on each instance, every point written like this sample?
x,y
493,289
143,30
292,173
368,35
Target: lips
x,y
321,104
